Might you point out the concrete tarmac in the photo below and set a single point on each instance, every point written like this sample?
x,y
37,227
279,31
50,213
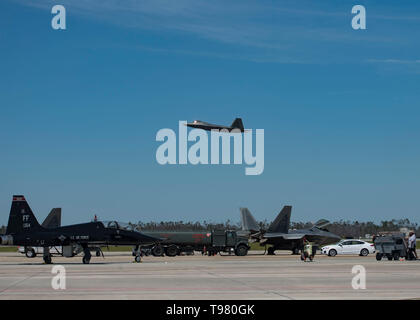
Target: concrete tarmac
x,y
254,276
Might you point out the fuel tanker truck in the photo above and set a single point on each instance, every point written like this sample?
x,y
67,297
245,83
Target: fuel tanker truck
x,y
176,242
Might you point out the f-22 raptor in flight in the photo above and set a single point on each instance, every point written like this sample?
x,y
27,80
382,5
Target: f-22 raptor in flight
x,y
279,235
236,125
24,230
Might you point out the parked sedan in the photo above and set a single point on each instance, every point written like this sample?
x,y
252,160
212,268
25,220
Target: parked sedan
x,y
349,246
32,252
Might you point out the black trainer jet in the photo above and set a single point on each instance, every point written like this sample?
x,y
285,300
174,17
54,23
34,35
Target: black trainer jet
x,y
236,124
24,230
53,220
279,235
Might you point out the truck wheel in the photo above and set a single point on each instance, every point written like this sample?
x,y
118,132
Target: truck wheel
x,y
332,253
241,250
378,256
30,253
364,252
396,256
389,257
171,251
157,251
189,250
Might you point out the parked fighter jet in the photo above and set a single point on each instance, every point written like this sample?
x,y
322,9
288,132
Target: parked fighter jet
x,y
279,235
24,230
236,124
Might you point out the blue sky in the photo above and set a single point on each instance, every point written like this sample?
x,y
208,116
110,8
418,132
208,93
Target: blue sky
x,y
80,108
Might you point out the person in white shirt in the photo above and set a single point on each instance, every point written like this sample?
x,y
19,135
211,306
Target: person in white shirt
x,y
412,244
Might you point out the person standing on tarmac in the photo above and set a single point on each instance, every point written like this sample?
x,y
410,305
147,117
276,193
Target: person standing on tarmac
x,y
307,250
412,245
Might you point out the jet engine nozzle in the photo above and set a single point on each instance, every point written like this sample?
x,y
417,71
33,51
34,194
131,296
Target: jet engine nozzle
x,y
6,240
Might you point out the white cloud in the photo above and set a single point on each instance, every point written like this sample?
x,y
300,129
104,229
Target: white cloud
x,y
253,30
394,61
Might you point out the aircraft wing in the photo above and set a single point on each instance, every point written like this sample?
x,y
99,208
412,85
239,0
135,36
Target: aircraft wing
x,y
285,236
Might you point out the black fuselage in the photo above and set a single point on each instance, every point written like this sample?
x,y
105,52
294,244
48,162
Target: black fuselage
x,y
318,236
85,233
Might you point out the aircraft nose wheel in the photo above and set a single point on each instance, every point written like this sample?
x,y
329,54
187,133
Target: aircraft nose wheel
x,y
137,259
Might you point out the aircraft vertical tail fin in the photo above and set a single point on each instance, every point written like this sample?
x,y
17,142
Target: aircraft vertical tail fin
x,y
282,221
248,221
53,220
21,218
237,124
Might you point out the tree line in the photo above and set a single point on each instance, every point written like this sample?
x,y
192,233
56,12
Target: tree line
x,y
343,228
353,229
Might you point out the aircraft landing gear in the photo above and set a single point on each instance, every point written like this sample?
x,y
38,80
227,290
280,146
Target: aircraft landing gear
x,y
47,259
30,253
137,253
270,251
47,255
87,255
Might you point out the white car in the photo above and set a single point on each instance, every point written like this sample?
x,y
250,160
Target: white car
x,y
349,246
31,252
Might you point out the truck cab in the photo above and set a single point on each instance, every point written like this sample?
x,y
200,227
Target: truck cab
x,y
226,240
